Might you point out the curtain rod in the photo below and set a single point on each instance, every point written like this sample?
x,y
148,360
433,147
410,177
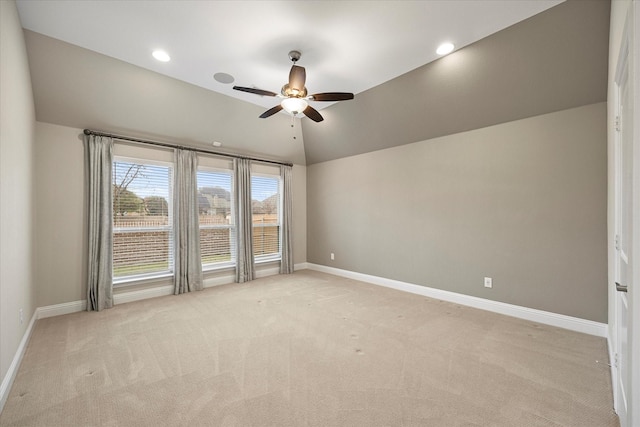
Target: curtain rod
x,y
182,147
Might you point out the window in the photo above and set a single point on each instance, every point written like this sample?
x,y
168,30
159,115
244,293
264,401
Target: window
x,y
266,216
217,227
142,219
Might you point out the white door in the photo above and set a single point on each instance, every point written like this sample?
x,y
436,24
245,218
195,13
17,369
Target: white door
x,y
627,167
624,158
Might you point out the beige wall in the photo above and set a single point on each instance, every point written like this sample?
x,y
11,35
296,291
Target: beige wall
x,y
60,215
17,119
522,202
61,247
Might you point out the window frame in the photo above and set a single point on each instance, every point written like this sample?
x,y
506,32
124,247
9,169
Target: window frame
x,y
134,279
263,259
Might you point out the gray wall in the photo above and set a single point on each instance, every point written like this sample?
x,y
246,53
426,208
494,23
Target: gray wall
x,y
17,120
522,202
60,226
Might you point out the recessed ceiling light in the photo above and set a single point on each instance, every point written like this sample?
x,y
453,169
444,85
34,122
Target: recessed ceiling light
x,y
223,78
161,55
445,48
217,144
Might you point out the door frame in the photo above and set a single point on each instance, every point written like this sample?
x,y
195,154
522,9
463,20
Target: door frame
x,y
634,292
620,301
631,42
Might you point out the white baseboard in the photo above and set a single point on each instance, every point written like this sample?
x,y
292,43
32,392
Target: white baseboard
x,y
219,280
137,295
260,272
301,266
271,271
120,298
548,318
60,309
545,317
10,376
140,294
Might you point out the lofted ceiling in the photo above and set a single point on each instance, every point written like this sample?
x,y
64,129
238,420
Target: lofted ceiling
x,y
550,62
347,46
91,66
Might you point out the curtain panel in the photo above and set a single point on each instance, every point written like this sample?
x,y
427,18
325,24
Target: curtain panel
x,y
286,264
98,161
187,264
245,268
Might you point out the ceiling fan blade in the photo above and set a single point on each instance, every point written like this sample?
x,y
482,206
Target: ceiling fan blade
x,y
313,114
332,96
297,77
255,91
271,111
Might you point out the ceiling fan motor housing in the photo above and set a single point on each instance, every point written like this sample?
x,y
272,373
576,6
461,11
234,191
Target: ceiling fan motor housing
x,y
293,93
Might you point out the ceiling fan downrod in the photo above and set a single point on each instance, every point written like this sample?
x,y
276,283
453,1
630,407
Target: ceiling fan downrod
x,y
294,56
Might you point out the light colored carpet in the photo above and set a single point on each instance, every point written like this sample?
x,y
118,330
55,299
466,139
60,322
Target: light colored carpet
x,y
308,349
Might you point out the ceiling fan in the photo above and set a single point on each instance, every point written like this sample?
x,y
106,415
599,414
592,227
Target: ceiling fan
x,y
294,95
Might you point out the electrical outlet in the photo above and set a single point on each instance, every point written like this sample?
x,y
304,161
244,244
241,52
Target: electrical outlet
x,y
332,256
488,282
21,316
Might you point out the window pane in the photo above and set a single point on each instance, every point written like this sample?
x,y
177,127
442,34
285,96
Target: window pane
x,y
265,207
142,236
266,240
215,206
216,245
140,252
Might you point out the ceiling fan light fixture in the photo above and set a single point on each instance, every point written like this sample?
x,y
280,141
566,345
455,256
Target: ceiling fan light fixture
x,y
294,105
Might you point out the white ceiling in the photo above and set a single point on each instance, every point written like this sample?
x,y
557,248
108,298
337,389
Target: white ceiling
x,y
348,46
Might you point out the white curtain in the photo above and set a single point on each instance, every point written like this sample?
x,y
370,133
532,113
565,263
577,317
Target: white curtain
x,y
188,265
245,269
98,160
286,265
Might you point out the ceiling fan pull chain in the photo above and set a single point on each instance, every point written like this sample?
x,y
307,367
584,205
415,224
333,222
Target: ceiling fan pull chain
x,y
293,122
